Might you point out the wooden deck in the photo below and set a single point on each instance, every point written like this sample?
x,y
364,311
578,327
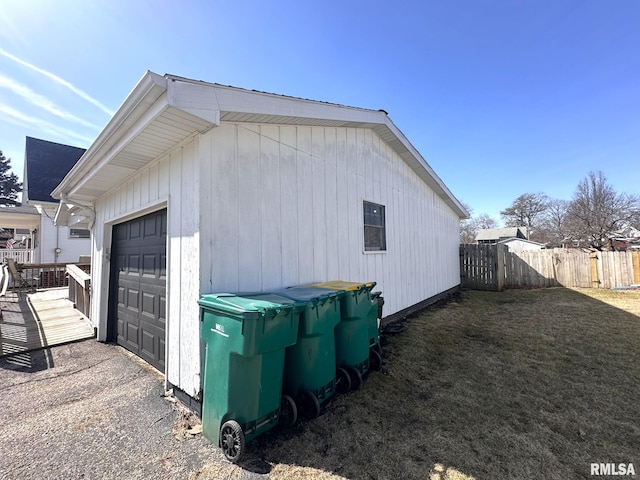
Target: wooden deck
x,y
39,320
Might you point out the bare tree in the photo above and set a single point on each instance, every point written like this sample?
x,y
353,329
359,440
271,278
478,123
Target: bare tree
x,y
554,225
524,211
597,210
469,228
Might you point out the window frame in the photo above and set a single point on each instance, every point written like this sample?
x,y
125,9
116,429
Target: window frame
x,y
382,226
79,237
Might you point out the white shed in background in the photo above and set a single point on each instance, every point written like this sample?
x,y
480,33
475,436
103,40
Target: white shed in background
x,y
521,244
195,188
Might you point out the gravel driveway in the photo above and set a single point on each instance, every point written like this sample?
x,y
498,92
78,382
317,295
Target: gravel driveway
x,y
93,411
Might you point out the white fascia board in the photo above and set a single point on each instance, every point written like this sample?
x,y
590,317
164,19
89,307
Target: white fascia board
x,y
125,137
198,99
235,100
148,89
149,99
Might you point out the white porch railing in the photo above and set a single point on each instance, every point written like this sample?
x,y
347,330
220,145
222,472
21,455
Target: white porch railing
x,y
19,255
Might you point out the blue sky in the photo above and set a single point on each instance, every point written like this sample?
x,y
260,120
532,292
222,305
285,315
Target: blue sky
x,y
501,97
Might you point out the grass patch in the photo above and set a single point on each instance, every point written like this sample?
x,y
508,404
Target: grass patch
x,y
516,384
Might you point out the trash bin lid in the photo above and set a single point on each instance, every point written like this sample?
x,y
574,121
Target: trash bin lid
x,y
272,298
342,285
238,303
305,293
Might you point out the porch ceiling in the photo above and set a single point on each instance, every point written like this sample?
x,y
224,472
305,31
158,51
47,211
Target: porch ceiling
x,y
10,219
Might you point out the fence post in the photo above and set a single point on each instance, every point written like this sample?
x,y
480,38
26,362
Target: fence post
x,y
593,258
635,260
501,252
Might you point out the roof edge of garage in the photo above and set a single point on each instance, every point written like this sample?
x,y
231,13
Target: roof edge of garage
x,y
251,106
150,87
208,104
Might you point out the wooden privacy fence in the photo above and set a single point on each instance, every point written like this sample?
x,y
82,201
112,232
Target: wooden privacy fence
x,y
482,266
493,267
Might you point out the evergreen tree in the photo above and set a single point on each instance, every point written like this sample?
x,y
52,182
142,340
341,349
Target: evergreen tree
x,y
9,185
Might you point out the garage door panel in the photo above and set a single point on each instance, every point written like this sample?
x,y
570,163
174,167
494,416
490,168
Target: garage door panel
x,y
149,305
149,343
149,265
133,299
150,227
134,229
133,264
121,326
139,272
132,335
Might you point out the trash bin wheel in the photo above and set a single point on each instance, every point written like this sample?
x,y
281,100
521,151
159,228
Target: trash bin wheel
x,y
356,377
288,411
375,359
232,441
343,380
309,405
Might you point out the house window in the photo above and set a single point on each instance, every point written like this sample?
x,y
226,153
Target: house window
x,y
374,228
79,233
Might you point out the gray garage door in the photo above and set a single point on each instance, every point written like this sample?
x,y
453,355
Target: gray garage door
x,y
137,290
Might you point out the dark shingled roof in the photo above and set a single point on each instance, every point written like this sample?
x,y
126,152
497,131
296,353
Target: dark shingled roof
x,y
47,164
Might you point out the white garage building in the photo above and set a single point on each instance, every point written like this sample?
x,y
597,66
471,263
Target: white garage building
x,y
195,188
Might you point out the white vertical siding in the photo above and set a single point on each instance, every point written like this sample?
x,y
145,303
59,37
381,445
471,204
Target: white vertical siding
x,y
255,207
286,208
171,182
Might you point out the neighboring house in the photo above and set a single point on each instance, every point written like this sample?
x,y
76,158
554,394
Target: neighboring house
x,y
31,225
20,225
194,188
495,235
627,238
520,244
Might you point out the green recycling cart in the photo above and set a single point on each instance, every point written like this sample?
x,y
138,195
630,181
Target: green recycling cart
x,y
310,364
352,334
245,342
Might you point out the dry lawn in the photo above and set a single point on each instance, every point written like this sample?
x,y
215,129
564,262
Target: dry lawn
x,y
521,384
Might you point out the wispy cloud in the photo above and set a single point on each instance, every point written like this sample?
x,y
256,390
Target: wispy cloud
x,y
59,81
41,101
16,117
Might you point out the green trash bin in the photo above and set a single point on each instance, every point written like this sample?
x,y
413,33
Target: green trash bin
x,y
310,364
375,315
352,333
245,341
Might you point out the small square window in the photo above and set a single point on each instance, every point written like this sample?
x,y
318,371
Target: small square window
x,y
79,233
374,228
